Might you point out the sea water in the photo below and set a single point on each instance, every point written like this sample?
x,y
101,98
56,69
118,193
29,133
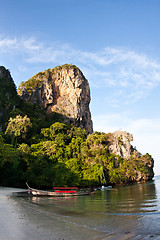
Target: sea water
x,y
126,212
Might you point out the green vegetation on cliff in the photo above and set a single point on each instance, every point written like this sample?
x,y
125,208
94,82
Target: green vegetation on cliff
x,y
63,154
37,80
41,148
8,95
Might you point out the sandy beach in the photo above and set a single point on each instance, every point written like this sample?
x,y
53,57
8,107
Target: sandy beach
x,y
21,221
14,224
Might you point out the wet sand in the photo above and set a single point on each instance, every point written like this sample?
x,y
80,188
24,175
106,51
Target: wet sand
x,y
13,224
21,221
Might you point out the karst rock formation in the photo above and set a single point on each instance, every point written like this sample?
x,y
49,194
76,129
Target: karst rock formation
x,y
64,90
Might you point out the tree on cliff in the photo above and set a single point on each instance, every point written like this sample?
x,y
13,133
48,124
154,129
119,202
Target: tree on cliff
x,y
18,127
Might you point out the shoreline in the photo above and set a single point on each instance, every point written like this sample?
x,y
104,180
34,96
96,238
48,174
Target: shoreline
x,y
102,217
20,220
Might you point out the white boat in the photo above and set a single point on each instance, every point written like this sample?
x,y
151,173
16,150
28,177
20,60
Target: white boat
x,y
106,188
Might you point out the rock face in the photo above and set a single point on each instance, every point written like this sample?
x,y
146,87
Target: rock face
x,y
8,95
120,145
64,90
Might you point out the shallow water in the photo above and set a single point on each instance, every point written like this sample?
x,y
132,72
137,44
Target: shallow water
x,y
131,212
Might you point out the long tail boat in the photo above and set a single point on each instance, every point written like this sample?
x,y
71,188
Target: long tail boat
x,y
57,192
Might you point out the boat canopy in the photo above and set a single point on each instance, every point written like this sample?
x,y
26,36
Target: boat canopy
x,y
65,188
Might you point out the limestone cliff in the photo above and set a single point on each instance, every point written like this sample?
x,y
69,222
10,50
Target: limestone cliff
x,y
64,90
8,95
119,144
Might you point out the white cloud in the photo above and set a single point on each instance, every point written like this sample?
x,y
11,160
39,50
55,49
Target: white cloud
x,y
133,73
6,44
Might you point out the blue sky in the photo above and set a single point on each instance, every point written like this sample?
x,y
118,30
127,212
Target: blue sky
x,y
114,42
